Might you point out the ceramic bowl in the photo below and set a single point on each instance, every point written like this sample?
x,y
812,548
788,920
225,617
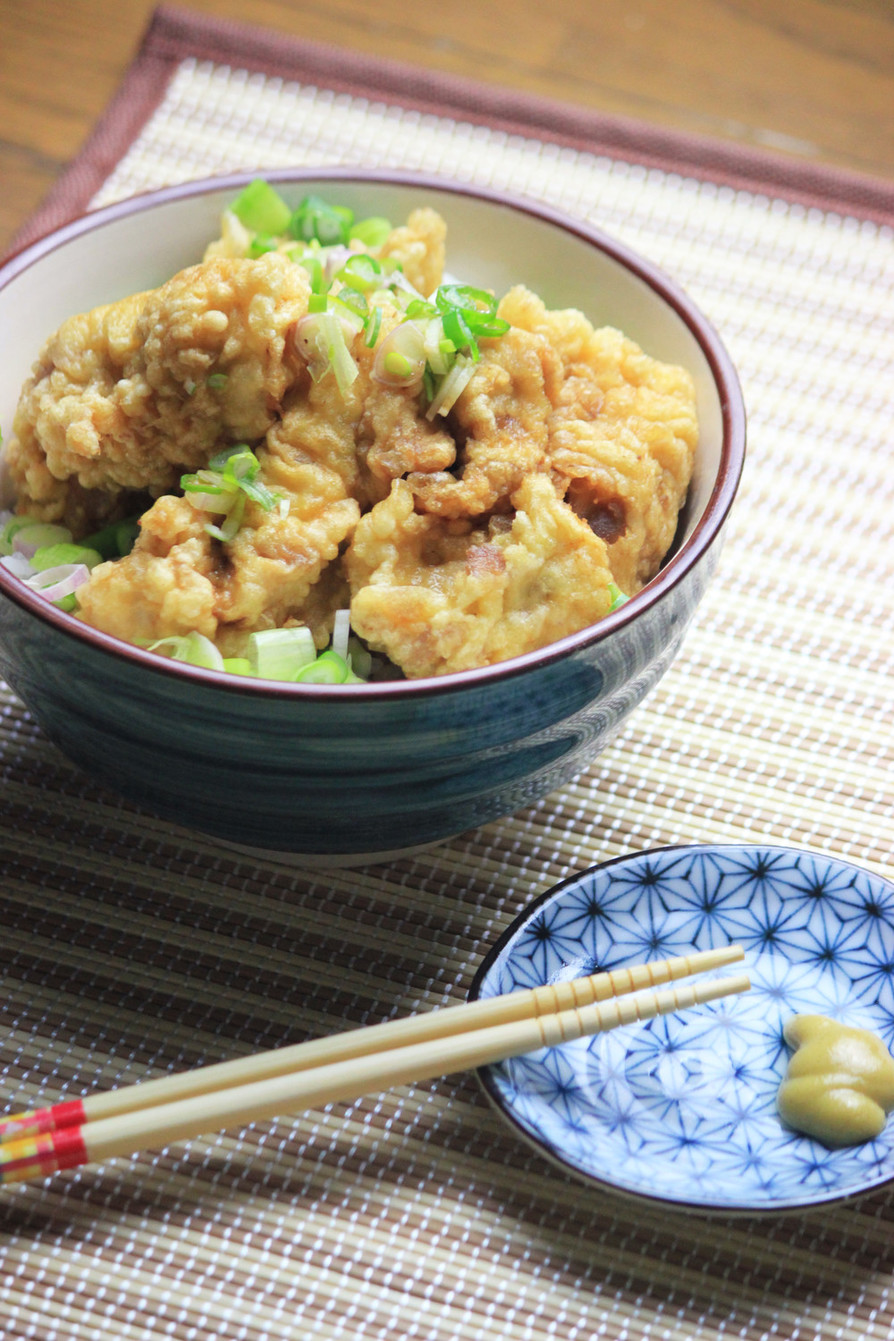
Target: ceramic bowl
x,y
359,773
682,1109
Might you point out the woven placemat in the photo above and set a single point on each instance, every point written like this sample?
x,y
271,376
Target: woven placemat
x,y
130,948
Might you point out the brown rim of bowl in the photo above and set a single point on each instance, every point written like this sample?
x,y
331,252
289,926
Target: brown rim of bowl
x,y
707,529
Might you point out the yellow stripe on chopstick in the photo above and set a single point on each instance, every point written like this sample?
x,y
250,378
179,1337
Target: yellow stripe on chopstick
x,y
372,1038
347,1078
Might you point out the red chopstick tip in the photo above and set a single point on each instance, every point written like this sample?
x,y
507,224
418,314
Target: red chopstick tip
x,y
43,1121
69,1148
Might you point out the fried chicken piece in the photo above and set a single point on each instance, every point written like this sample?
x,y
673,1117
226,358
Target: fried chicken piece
x,y
164,587
501,419
419,248
369,432
394,439
622,436
438,595
178,577
120,397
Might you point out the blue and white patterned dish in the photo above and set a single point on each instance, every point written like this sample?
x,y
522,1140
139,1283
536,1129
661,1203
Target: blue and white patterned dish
x,y
682,1109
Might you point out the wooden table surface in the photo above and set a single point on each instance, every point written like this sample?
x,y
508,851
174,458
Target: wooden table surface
x,y
809,78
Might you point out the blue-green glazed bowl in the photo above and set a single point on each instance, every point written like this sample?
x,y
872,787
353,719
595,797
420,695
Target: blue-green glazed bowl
x,y
361,772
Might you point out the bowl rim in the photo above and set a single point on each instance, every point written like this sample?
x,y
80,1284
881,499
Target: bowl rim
x,y
706,532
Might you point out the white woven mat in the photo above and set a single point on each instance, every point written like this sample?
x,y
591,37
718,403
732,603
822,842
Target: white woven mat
x,y
130,948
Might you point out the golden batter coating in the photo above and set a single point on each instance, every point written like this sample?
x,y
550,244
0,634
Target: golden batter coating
x,y
622,435
179,578
437,595
418,247
129,395
460,538
501,421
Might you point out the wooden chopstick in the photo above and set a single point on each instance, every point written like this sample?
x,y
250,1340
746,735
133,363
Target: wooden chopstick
x,y
429,1026
218,1109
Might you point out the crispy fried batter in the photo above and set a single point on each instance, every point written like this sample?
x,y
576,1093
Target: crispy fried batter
x,y
459,541
178,578
501,420
622,436
436,595
418,247
120,397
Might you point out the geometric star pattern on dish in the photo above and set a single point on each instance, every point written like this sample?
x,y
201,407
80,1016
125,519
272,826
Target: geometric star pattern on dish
x,y
682,1108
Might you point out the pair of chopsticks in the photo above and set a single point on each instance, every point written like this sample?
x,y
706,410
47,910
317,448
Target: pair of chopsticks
x,y
346,1066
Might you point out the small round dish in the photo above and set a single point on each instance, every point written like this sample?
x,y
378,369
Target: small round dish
x,y
682,1109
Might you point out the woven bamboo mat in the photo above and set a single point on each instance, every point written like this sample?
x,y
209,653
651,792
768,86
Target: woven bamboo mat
x,y
130,948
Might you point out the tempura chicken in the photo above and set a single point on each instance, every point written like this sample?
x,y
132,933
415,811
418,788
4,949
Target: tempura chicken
x,y
444,596
461,530
127,396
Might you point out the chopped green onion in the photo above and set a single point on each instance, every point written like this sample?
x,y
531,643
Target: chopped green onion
x,y
419,307
260,494
279,654
114,540
261,208
351,307
39,534
341,631
451,386
321,339
617,597
373,326
51,556
260,244
457,330
229,528
359,658
11,530
371,232
217,380
463,297
329,668
398,364
237,665
361,272
314,219
206,495
237,451
193,648
314,267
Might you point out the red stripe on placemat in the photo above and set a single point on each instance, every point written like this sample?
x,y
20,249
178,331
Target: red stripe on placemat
x,y
174,35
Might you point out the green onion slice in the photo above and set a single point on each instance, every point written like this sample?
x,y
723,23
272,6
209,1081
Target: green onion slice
x,y
11,530
316,220
371,232
194,648
373,326
279,654
36,535
341,632
361,272
51,556
261,208
229,527
329,668
260,244
114,540
617,597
